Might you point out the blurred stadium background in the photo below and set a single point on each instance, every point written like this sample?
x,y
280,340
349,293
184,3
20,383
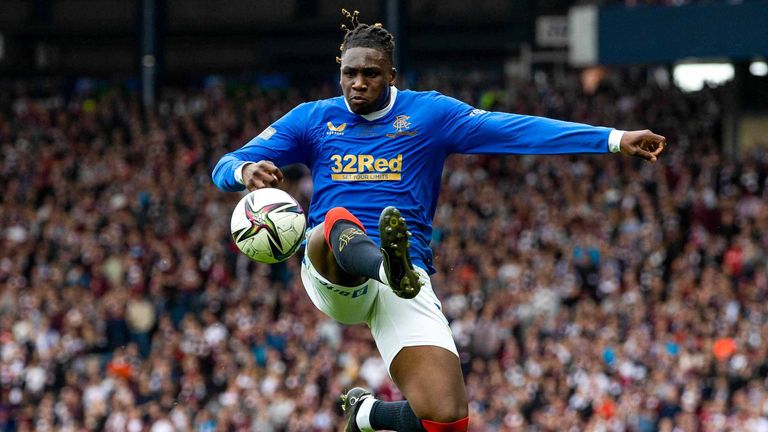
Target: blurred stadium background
x,y
585,293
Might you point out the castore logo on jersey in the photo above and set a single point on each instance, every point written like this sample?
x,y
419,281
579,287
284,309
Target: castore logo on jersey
x,y
336,130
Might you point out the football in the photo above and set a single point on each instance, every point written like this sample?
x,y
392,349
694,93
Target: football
x,y
268,225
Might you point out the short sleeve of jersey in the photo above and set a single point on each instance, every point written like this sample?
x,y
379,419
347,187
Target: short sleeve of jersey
x,y
283,143
474,131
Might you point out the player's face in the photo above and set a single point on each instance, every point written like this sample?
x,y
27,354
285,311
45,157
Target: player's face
x,y
366,75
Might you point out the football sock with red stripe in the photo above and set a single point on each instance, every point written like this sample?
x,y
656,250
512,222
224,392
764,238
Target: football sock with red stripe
x,y
354,251
400,417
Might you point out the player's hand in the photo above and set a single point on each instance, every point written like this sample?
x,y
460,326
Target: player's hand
x,y
261,174
643,144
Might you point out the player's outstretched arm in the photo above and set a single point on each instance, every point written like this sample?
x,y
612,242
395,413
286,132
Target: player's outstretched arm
x,y
261,174
643,144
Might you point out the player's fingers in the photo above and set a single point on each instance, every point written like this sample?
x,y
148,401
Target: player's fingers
x,y
255,183
269,166
652,141
271,179
649,135
658,151
273,171
259,180
274,176
645,155
265,178
661,144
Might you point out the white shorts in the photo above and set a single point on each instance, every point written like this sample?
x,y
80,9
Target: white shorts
x,y
396,323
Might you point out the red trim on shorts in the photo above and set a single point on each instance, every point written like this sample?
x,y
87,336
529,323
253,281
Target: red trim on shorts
x,y
334,215
457,426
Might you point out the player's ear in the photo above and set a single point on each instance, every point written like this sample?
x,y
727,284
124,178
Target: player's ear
x,y
392,78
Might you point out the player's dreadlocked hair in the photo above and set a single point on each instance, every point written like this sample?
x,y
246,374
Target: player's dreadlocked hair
x,y
366,36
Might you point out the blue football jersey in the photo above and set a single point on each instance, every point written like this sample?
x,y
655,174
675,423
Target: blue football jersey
x,y
395,156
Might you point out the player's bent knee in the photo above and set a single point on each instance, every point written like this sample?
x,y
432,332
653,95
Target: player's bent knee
x,y
446,412
445,408
334,215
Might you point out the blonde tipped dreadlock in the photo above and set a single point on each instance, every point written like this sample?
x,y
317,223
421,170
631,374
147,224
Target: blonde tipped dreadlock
x,y
365,36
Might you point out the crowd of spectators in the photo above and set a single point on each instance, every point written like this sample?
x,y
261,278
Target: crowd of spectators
x,y
595,293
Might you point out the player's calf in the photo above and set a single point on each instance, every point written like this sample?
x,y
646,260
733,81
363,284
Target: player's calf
x,y
353,250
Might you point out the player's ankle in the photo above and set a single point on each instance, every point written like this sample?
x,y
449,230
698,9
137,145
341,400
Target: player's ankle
x,y
363,417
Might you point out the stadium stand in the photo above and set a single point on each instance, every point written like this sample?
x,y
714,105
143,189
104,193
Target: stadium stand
x,y
613,294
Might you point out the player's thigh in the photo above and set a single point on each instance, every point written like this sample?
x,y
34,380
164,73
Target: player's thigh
x,y
416,343
346,304
430,379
